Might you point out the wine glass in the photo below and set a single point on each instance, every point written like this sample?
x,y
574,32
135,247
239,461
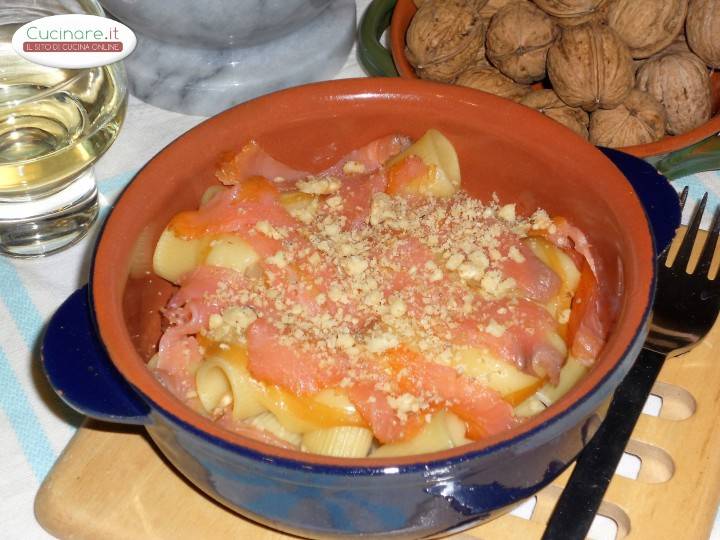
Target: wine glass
x,y
54,125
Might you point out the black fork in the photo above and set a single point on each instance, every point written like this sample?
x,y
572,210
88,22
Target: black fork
x,y
686,307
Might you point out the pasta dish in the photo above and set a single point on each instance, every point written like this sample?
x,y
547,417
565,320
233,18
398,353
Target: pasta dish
x,y
375,308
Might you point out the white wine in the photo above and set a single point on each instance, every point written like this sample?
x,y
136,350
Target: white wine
x,y
54,123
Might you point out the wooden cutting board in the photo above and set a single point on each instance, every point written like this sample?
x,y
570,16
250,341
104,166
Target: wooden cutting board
x,y
111,483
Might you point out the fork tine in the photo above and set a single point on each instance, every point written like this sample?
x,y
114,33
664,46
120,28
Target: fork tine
x,y
706,257
662,259
683,197
683,255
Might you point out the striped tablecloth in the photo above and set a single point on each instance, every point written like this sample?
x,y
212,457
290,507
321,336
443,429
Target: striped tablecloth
x,y
34,424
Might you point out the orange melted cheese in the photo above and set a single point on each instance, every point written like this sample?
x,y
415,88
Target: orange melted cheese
x,y
278,400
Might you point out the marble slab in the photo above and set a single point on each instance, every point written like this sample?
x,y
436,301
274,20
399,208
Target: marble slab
x,y
204,81
215,23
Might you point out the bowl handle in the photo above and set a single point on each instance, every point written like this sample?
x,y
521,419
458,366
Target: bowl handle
x,y
658,197
79,369
702,156
375,58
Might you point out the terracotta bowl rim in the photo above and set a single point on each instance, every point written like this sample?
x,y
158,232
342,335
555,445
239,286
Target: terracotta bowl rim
x,y
666,145
530,431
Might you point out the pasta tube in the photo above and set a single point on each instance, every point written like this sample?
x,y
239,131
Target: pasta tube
x,y
174,256
268,421
456,428
571,373
344,441
493,372
564,267
437,152
304,414
433,437
530,407
231,252
218,377
336,400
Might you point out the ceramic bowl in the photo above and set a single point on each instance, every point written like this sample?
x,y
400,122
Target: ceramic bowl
x,y
398,14
96,347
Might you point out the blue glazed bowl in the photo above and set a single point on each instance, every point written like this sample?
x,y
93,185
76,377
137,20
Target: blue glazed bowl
x,y
96,346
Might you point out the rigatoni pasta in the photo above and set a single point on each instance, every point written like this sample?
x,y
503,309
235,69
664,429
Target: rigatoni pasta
x,y
373,309
175,257
221,383
340,441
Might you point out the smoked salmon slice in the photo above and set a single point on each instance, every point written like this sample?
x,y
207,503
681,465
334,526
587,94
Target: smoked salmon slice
x,y
301,372
238,209
587,328
516,330
357,193
253,160
373,155
475,403
375,409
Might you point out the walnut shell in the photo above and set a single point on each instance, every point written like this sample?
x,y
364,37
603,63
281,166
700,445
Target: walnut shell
x,y
548,103
597,15
590,67
444,37
480,59
492,7
489,79
518,39
639,120
568,8
703,30
647,26
679,45
681,82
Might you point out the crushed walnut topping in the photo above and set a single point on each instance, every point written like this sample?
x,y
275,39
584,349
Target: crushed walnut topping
x,y
418,268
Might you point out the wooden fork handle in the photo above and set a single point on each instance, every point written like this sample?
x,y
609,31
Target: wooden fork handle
x,y
596,464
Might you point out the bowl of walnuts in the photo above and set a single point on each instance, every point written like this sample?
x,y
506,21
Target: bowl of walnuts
x,y
638,75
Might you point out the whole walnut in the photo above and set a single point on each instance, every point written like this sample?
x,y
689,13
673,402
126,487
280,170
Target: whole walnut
x,y
548,103
679,45
647,26
639,120
703,30
518,39
597,15
489,79
569,8
444,37
590,67
492,7
681,82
